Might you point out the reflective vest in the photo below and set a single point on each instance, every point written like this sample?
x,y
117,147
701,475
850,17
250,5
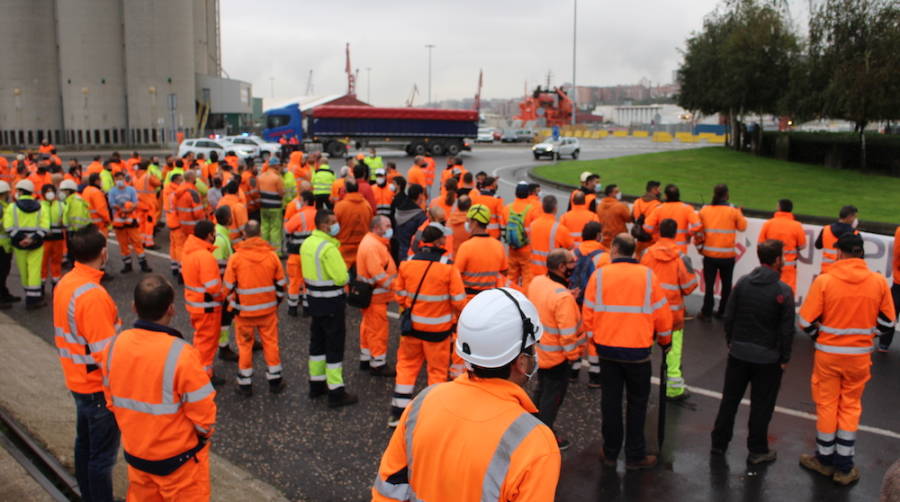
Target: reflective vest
x,y
290,186
510,456
685,217
55,209
482,264
624,306
850,304
375,266
545,235
322,181
324,271
829,247
5,242
299,227
562,337
271,190
383,198
576,219
668,263
33,224
146,186
254,279
200,270
720,224
440,299
85,320
223,249
77,213
641,207
784,228
159,393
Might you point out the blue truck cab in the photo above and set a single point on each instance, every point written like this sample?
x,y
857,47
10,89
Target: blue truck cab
x,y
284,121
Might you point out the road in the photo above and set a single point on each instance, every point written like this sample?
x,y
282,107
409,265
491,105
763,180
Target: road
x,y
314,453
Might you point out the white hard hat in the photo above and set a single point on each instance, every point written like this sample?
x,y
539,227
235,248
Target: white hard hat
x,y
68,185
20,157
25,186
493,325
4,187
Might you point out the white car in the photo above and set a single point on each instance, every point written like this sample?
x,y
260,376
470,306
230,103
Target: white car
x,y
261,146
557,148
485,136
201,145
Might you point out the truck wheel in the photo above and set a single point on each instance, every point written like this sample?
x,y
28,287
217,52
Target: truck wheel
x,y
409,149
437,149
335,149
453,149
419,148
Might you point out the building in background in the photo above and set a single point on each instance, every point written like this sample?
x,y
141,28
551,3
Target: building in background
x,y
115,72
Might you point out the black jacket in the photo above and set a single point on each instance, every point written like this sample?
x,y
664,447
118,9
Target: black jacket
x,y
759,318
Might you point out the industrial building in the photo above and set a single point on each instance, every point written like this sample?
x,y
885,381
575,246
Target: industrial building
x,y
114,72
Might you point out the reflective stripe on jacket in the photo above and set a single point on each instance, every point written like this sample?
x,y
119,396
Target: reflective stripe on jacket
x,y
254,279
561,320
441,298
200,270
546,234
324,271
683,214
482,264
375,266
720,224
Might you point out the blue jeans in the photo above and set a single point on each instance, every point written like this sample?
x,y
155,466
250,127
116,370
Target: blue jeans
x,y
96,447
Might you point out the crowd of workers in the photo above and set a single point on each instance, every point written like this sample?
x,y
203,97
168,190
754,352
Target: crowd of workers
x,y
490,294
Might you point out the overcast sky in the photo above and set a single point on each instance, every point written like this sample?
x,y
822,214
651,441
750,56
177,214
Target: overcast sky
x,y
514,41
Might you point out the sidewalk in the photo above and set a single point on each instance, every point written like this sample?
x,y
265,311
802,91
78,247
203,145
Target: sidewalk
x,y
34,393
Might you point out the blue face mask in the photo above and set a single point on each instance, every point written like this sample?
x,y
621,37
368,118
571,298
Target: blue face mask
x,y
389,233
335,228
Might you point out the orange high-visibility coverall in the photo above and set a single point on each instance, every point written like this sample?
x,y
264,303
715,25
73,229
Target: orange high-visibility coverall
x,y
375,266
146,185
520,259
354,214
547,234
297,228
98,207
614,216
202,297
790,232
176,236
684,215
576,219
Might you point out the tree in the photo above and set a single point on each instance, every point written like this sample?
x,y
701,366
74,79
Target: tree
x,y
740,62
854,62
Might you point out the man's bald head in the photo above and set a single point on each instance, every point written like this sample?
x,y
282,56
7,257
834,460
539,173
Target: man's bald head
x,y
622,246
190,176
251,229
153,297
436,213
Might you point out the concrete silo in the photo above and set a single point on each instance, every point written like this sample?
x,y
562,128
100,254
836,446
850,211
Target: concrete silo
x,y
92,70
30,107
207,51
159,68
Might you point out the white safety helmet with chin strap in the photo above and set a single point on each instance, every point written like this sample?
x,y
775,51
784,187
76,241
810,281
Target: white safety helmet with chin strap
x,y
4,187
68,185
495,327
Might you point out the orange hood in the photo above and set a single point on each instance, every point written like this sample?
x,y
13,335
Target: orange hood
x,y
194,243
852,270
664,250
254,249
456,217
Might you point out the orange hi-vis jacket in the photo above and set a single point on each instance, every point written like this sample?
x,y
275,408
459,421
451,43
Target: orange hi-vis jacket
x,y
416,175
202,285
675,277
375,266
416,245
384,196
720,224
562,338
545,235
641,207
169,191
829,247
585,248
624,306
790,232
147,186
468,440
271,189
354,214
97,206
292,208
159,392
850,304
498,213
685,217
896,272
576,219
482,264
441,298
299,227
614,216
238,216
255,277
85,320
188,207
588,198
250,187
530,208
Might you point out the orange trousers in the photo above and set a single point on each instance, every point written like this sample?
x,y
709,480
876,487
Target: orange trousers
x,y
130,240
189,483
789,277
838,382
296,286
244,327
411,353
206,336
519,272
373,334
176,243
147,220
51,267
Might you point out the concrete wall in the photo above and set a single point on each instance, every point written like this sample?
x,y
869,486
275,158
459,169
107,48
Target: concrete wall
x,y
226,95
29,76
207,56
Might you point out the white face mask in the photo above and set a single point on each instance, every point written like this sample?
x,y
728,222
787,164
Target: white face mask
x,y
388,233
855,222
467,227
380,180
618,195
50,196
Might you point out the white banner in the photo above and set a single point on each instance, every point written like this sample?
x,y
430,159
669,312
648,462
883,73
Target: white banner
x,y
879,256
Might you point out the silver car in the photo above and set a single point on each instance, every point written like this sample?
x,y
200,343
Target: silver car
x,y
555,149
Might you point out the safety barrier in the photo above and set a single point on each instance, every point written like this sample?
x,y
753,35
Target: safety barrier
x,y
640,134
620,134
662,137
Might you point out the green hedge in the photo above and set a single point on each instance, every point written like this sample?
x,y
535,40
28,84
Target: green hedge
x,y
838,150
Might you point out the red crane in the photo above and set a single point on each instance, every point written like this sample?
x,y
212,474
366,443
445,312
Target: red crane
x,y
351,78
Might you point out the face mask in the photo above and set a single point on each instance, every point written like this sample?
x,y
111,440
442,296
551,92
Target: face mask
x,y
467,228
619,196
380,181
334,229
855,222
388,233
120,184
393,188
50,196
598,188
63,196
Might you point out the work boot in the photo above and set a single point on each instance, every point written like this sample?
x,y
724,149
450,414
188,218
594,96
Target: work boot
x,y
292,311
594,381
707,318
10,299
382,371
846,478
563,443
244,390
226,354
813,463
573,374
40,303
647,462
341,397
607,461
145,268
393,421
364,366
126,269
317,389
277,385
680,397
216,380
762,458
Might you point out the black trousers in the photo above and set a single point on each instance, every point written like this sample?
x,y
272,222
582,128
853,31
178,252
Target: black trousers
x,y
551,390
764,380
327,333
632,380
5,264
724,267
322,201
885,340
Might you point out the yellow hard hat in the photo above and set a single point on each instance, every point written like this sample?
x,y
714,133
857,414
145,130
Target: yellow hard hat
x,y
479,213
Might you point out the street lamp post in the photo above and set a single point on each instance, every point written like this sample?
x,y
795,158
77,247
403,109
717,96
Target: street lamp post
x,y
369,85
574,40
429,47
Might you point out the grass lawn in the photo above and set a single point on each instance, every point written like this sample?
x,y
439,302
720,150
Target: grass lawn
x,y
754,182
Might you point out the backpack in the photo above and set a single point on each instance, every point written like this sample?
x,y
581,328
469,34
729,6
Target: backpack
x,y
515,233
584,268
